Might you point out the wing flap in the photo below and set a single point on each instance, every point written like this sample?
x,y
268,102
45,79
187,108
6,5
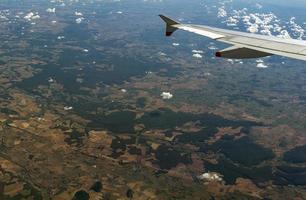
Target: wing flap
x,y
299,56
237,52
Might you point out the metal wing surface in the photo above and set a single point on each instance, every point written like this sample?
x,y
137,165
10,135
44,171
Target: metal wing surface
x,y
245,45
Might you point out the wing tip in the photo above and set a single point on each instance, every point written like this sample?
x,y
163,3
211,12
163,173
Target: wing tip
x,y
168,20
170,29
218,54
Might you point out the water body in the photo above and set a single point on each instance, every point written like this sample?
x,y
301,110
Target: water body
x,y
8,111
134,151
88,109
164,119
296,155
74,138
69,57
81,195
117,122
141,102
119,146
290,175
97,186
122,69
167,157
198,137
156,120
240,158
231,171
243,151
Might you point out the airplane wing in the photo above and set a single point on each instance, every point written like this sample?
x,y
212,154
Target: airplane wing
x,y
245,45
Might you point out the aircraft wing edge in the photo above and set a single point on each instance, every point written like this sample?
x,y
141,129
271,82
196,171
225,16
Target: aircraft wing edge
x,y
172,26
279,53
239,50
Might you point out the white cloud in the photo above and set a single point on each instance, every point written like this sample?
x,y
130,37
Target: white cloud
x,y
166,95
253,28
264,23
276,28
78,13
51,10
197,51
284,34
212,48
211,176
79,20
259,61
197,55
3,17
230,61
222,12
31,16
36,17
50,80
60,37
297,30
266,32
207,74
261,64
68,108
231,21
162,54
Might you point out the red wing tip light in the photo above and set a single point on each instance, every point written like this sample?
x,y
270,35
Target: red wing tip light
x,y
169,33
218,54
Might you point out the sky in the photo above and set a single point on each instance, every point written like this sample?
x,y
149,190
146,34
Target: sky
x,y
290,3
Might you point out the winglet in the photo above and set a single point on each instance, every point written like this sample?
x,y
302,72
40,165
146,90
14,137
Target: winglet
x,y
169,25
168,21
